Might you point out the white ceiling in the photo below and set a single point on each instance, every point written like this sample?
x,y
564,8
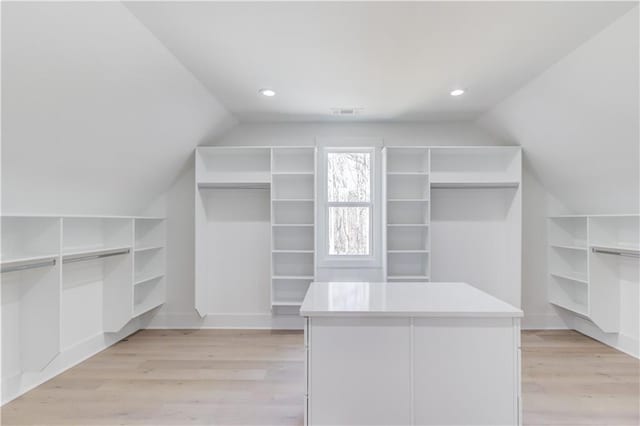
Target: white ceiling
x,y
398,61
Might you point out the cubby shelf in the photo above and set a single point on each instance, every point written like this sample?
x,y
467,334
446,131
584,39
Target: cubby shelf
x,y
573,307
579,278
147,279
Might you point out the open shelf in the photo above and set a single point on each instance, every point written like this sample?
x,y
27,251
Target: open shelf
x,y
148,263
29,238
147,279
149,233
407,186
293,264
288,186
412,263
568,305
293,238
293,160
293,213
579,278
407,238
231,166
568,231
87,235
407,213
407,160
148,295
465,167
569,294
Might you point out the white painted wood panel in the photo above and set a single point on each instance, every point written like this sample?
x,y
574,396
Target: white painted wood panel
x,y
360,371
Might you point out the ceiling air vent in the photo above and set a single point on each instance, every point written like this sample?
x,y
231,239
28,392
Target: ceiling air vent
x,y
346,111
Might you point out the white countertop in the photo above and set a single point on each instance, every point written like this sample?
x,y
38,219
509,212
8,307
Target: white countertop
x,y
402,300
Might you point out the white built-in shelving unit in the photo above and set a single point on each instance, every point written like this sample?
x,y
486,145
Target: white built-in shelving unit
x,y
288,173
454,214
450,214
407,213
66,279
590,258
293,173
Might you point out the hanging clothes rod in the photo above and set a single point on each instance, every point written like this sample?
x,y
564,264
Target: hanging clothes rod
x,y
616,251
82,258
29,265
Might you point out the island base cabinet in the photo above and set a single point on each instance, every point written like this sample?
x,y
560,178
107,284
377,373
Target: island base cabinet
x,y
412,371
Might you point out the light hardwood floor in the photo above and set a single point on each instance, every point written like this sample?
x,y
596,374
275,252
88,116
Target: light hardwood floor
x,y
159,377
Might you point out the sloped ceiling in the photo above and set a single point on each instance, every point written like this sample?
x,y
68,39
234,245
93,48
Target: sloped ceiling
x,y
578,122
396,60
97,116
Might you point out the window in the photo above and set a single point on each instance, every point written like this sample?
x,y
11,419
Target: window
x,y
349,205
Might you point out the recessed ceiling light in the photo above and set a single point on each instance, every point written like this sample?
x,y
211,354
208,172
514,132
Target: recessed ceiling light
x,y
457,92
267,92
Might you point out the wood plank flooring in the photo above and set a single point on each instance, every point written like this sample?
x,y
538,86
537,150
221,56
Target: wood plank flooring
x,y
234,377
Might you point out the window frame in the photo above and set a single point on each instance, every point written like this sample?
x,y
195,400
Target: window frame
x,y
348,261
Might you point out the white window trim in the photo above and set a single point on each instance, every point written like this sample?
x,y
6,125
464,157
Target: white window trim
x,y
374,259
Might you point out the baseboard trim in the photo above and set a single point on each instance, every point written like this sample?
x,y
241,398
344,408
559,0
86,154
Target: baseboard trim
x,y
169,320
543,322
13,387
622,342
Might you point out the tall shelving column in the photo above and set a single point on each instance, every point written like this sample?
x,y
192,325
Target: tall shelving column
x,y
292,226
568,263
149,283
407,214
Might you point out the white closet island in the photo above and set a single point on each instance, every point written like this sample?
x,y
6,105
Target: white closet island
x,y
410,353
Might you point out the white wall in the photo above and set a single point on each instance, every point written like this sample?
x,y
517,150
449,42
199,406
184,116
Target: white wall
x,y
180,312
578,123
98,117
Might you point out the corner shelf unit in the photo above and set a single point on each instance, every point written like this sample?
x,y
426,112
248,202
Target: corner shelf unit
x,y
589,258
66,279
